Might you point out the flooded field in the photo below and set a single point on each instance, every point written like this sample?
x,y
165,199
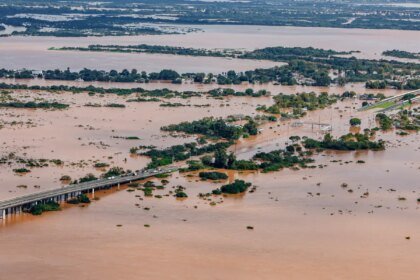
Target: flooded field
x,y
190,86
285,208
354,216
81,135
33,53
346,231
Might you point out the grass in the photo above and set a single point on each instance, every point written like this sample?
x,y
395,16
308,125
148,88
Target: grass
x,y
383,105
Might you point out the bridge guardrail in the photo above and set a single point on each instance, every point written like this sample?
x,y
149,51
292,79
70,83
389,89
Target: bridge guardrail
x,y
30,198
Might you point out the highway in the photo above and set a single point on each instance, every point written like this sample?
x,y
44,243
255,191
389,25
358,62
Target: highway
x,y
15,204
392,98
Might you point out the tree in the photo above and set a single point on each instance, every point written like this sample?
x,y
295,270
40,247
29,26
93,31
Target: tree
x,y
238,186
251,127
199,77
355,121
290,149
231,74
341,81
249,91
328,138
168,75
220,158
294,138
231,160
114,171
207,160
409,96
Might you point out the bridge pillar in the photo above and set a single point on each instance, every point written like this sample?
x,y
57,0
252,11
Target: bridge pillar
x,y
93,193
3,214
118,186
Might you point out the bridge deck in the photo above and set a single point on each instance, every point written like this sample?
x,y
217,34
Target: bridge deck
x,y
100,183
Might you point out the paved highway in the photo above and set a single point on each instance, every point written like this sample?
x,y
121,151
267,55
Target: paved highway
x,y
75,189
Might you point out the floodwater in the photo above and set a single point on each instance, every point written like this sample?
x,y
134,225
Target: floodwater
x,y
32,52
305,224
81,135
196,87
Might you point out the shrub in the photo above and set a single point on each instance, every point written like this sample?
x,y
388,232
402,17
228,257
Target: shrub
x,y
40,208
355,121
21,170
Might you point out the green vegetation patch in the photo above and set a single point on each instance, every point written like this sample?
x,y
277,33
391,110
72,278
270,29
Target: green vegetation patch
x,y
82,198
213,175
238,186
348,142
46,207
34,105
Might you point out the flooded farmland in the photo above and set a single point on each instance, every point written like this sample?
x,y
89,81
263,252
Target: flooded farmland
x,y
353,216
286,205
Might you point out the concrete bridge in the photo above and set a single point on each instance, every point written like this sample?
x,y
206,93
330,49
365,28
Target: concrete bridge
x,y
18,204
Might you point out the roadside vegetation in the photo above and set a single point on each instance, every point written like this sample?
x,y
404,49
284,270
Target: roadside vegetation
x,y
45,207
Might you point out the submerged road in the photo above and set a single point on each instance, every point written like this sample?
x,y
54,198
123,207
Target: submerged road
x,y
16,204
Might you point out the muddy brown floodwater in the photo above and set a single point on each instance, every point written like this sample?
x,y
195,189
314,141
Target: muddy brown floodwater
x,y
305,225
190,86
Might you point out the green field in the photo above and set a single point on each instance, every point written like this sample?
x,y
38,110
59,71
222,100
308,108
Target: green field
x,y
383,105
